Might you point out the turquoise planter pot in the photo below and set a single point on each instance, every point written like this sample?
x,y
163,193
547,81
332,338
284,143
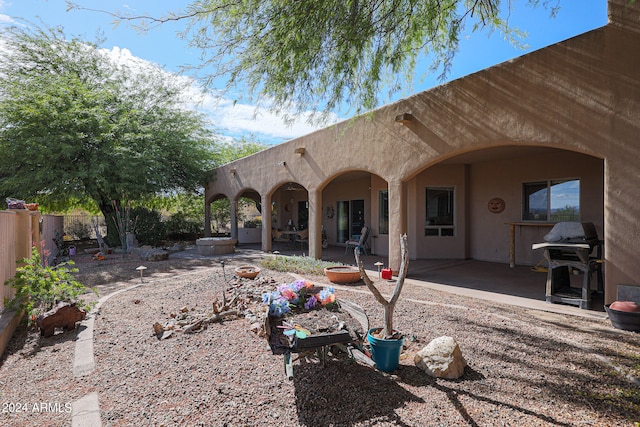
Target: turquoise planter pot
x,y
386,353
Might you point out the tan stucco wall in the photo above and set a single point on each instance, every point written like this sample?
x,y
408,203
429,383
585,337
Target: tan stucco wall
x,y
489,234
581,95
422,246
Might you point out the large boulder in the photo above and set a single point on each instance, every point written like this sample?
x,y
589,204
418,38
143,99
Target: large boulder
x,y
154,255
441,358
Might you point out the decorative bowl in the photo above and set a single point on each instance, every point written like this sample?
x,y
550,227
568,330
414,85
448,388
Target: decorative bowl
x,y
342,274
247,271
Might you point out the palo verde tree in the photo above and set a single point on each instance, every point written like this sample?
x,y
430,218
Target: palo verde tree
x,y
318,54
78,127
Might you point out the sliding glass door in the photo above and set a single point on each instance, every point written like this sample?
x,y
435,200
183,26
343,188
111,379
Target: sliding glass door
x,y
350,218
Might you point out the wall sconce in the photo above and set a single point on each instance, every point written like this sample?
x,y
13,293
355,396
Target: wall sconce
x,y
233,171
404,118
299,150
282,163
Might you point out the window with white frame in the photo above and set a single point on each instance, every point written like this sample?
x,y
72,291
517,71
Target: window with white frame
x,y
551,200
440,211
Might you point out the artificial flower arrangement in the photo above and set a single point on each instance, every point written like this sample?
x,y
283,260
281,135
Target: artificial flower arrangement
x,y
297,296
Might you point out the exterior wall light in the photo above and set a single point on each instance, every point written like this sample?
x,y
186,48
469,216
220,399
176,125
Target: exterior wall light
x,y
404,118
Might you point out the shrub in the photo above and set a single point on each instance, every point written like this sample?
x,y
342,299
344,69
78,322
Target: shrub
x,y
79,230
297,264
181,227
40,287
147,226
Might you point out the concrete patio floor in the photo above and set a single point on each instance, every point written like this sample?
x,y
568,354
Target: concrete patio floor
x,y
520,286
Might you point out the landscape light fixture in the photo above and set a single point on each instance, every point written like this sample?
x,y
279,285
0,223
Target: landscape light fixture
x,y
379,264
404,118
141,269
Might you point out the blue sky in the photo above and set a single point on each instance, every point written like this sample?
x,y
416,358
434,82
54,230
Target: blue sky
x,y
163,47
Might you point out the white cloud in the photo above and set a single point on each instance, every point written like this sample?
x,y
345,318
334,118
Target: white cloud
x,y
231,118
237,117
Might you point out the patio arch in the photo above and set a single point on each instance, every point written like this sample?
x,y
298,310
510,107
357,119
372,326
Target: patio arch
x,y
341,195
498,171
208,216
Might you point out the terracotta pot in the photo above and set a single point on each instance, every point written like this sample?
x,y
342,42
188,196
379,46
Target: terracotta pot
x,y
247,271
628,306
342,274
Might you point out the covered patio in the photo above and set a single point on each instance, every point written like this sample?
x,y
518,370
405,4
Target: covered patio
x,y
520,286
550,136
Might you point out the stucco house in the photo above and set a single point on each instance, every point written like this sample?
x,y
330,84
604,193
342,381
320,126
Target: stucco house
x,y
552,135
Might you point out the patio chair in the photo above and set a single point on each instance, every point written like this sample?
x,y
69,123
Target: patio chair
x,y
361,243
278,237
303,238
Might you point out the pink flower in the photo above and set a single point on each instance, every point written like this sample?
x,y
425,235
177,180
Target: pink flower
x,y
289,294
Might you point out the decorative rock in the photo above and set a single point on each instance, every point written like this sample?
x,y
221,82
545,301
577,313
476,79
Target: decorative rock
x,y
441,358
131,240
64,315
166,334
157,328
154,255
175,248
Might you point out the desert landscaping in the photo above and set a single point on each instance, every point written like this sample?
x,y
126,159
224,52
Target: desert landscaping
x,y
525,367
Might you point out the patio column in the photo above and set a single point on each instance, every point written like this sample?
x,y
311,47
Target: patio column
x,y
397,222
234,218
265,200
315,224
207,219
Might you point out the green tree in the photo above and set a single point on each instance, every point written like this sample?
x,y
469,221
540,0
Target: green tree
x,y
187,209
316,54
78,127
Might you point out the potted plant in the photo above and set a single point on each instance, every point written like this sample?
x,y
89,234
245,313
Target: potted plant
x,y
386,342
39,287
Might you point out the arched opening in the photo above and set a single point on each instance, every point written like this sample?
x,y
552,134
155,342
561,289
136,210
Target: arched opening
x,y
289,216
249,218
217,216
352,201
491,206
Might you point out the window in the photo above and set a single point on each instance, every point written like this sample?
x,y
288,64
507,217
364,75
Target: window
x,y
553,200
383,212
439,221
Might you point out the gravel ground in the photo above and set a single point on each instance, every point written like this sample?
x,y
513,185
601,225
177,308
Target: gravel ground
x,y
526,368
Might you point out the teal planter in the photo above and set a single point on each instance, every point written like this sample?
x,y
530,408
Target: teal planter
x,y
386,353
